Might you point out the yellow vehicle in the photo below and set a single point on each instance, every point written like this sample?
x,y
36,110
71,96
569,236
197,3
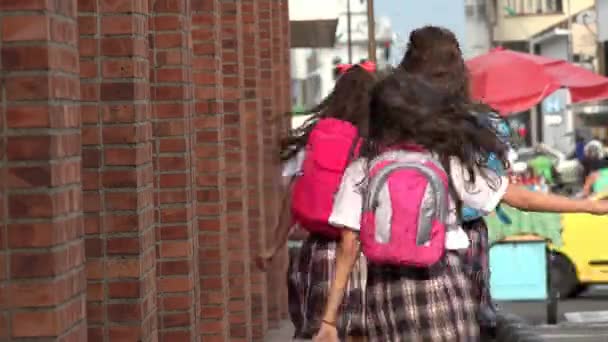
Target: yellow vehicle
x,y
583,258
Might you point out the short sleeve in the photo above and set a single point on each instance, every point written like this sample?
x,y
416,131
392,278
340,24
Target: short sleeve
x,y
485,193
294,165
348,203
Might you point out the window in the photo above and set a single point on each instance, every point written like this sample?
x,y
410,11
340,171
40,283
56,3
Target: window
x,y
477,10
533,7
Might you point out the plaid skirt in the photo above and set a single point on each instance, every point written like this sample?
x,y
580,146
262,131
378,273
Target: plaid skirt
x,y
421,305
312,277
476,260
293,302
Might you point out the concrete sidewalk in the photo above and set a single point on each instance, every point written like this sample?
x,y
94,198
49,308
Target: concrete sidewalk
x,y
283,334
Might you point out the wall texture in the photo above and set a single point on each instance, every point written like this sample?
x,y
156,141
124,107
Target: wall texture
x,y
139,168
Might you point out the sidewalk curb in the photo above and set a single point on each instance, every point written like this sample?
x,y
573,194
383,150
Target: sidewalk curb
x,y
512,328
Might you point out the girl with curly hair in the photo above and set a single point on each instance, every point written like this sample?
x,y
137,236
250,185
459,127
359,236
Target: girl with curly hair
x,y
408,108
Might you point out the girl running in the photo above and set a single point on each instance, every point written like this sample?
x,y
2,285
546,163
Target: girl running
x,y
311,274
433,303
434,54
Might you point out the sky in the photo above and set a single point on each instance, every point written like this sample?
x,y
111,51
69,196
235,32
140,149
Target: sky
x,y
407,15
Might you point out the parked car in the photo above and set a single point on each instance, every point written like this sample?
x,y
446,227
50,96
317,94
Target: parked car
x,y
582,260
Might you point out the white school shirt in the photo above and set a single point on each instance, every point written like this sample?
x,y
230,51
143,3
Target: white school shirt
x,y
481,195
291,168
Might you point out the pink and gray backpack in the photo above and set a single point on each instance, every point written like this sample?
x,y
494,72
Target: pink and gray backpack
x,y
405,208
331,146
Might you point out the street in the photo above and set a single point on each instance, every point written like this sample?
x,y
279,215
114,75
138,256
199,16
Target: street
x,y
583,319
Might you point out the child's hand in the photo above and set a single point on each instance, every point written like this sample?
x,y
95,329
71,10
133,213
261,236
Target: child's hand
x,y
264,259
327,333
598,207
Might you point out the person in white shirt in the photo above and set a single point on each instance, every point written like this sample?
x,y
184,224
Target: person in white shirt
x,y
435,303
311,270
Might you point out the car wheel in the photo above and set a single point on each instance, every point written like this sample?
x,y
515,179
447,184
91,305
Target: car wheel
x,y
563,276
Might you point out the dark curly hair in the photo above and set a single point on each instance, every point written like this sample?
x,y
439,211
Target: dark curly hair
x,y
444,125
348,101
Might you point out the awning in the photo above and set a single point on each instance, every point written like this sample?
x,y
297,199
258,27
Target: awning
x,y
313,33
592,114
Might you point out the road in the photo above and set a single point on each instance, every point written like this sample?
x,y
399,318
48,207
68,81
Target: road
x,y
595,301
584,319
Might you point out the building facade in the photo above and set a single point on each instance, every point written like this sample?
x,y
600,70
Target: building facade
x,y
139,168
312,68
478,28
554,28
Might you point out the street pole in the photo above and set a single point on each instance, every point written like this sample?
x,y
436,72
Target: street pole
x,y
348,34
371,32
570,43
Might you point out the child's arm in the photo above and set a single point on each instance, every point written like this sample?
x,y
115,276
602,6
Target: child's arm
x,y
298,234
346,256
281,231
524,199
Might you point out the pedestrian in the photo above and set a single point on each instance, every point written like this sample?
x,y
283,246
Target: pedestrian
x,y
596,168
432,302
312,273
594,157
434,54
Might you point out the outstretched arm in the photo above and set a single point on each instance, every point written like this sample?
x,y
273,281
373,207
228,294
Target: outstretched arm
x,y
524,199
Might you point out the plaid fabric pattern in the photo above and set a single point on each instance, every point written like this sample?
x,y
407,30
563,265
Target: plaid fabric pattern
x,y
476,260
421,305
294,305
312,276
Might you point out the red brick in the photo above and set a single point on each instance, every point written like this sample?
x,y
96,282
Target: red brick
x,y
123,246
35,324
32,235
20,28
27,87
124,312
124,68
15,5
25,57
124,289
123,47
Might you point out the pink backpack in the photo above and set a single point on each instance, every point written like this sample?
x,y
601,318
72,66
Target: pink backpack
x,y
405,208
331,146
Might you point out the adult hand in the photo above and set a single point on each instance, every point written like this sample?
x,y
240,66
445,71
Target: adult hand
x,y
327,333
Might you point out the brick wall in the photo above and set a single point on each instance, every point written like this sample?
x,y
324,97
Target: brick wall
x,y
139,168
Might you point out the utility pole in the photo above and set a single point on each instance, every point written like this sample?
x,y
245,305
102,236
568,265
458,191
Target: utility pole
x,y
371,32
348,34
570,43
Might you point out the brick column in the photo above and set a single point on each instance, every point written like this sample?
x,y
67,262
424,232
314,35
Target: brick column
x,y
255,160
211,180
284,106
172,107
286,64
129,264
42,260
236,172
4,284
272,103
89,27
